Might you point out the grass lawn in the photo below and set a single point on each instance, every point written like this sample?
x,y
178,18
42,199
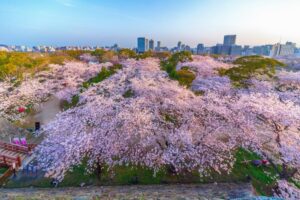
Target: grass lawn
x,y
3,170
263,178
296,183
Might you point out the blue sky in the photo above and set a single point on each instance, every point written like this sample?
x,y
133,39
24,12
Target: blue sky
x,y
105,22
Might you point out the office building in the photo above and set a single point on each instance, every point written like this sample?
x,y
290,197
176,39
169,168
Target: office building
x,y
228,47
158,47
187,48
151,45
200,49
143,45
164,49
283,49
264,50
292,44
235,50
229,40
179,46
217,49
225,50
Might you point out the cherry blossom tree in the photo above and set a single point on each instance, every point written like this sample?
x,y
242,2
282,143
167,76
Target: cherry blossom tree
x,y
286,190
62,81
163,124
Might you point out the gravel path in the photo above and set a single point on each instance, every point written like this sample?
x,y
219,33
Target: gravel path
x,y
162,192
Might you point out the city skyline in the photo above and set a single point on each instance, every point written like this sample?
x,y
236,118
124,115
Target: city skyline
x,y
77,22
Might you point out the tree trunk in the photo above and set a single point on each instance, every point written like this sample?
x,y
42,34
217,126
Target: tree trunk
x,y
98,171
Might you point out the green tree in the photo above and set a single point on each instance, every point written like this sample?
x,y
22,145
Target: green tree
x,y
126,53
184,76
103,55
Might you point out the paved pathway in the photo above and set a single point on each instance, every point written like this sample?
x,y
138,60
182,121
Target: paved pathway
x,y
162,192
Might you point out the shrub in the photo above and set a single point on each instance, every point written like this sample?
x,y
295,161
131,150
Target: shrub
x,y
145,55
103,74
162,55
126,53
73,103
75,54
129,93
185,77
104,55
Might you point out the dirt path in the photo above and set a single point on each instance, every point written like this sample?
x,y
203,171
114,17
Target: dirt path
x,y
208,191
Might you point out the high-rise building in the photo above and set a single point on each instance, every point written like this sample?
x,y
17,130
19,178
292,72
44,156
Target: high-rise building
x,y
225,50
217,49
187,48
151,45
235,50
229,40
283,49
158,47
262,50
200,49
292,44
179,46
143,45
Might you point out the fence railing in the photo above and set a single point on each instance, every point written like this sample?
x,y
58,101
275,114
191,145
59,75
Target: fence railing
x,y
17,148
8,160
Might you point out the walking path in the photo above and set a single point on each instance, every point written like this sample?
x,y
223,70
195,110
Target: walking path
x,y
162,192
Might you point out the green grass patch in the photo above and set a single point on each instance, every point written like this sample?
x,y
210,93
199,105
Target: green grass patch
x,y
104,55
199,93
126,53
296,183
3,170
152,54
102,75
249,67
74,101
168,117
128,94
40,182
77,176
184,76
29,108
263,178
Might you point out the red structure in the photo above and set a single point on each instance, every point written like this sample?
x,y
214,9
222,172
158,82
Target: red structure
x,y
12,153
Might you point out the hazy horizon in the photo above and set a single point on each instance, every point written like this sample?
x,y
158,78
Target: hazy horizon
x,y
104,22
